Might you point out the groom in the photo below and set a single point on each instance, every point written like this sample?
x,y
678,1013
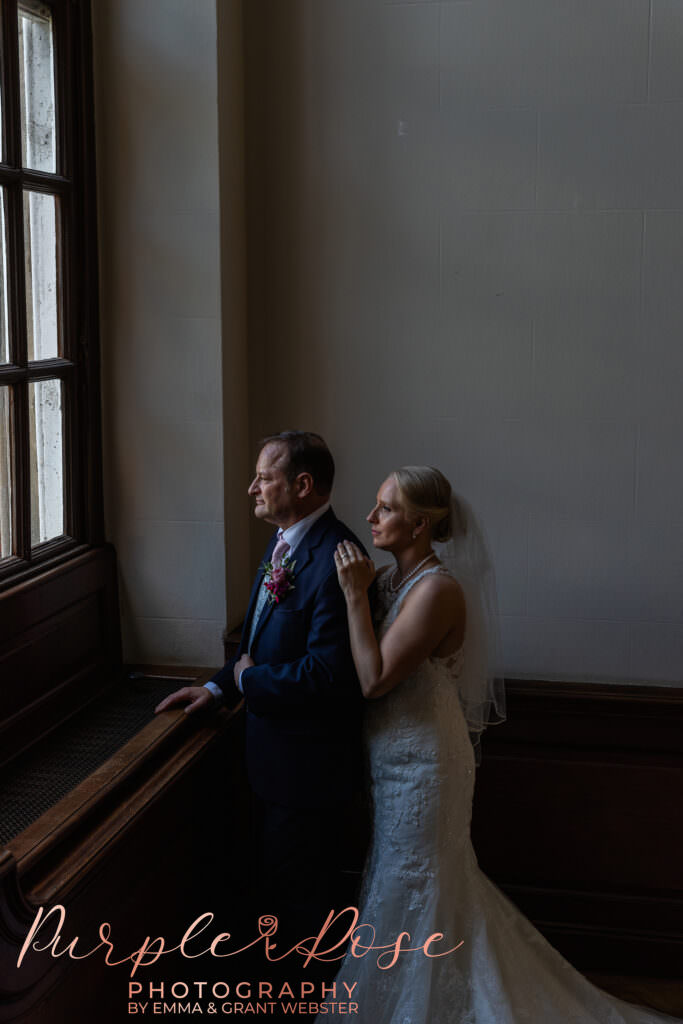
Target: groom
x,y
295,670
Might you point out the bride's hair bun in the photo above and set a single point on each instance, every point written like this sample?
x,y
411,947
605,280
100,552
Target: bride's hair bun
x,y
426,492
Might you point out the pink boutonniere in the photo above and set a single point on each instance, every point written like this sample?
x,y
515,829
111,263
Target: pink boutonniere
x,y
278,580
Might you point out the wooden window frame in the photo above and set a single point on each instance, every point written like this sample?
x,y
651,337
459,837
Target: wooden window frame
x,y
78,365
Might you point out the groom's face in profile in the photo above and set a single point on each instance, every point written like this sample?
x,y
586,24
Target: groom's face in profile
x,y
274,500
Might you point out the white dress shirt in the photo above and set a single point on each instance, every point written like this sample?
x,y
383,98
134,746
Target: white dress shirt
x,y
294,534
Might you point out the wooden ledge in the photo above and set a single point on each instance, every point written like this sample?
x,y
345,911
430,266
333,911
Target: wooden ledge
x,y
52,853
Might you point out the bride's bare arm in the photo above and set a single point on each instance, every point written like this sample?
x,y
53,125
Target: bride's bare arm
x,y
434,609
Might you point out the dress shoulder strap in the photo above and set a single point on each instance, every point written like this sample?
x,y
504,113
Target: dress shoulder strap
x,y
402,591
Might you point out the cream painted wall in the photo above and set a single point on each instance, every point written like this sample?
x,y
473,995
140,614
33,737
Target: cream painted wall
x,y
159,183
466,244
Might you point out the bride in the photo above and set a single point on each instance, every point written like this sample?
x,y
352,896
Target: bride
x,y
422,664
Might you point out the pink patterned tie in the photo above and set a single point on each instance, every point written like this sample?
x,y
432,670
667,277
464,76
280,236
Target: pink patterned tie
x,y
279,551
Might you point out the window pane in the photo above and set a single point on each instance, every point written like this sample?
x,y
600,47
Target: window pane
x,y
4,322
5,475
36,72
47,460
40,238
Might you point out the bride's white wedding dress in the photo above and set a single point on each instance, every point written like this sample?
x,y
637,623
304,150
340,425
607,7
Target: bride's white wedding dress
x,y
422,877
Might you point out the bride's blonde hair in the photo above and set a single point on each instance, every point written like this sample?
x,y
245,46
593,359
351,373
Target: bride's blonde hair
x,y
425,491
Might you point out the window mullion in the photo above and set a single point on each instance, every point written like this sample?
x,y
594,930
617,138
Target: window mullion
x,y
22,472
16,297
16,282
16,286
11,110
15,208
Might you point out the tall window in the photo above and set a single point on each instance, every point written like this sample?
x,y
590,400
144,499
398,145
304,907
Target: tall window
x,y
49,436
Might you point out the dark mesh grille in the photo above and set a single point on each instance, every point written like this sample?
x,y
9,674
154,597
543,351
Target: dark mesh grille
x,y
38,779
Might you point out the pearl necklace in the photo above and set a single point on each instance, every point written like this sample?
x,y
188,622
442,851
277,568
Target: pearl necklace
x,y
413,572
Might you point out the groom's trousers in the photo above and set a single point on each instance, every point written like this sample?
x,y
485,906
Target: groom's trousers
x,y
300,855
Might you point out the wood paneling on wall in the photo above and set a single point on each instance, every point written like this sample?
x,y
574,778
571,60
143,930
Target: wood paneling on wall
x,y
577,817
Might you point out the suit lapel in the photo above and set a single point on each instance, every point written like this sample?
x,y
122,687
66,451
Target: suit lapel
x,y
253,597
303,555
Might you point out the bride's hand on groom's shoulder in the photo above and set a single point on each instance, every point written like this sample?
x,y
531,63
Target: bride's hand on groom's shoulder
x,y
355,571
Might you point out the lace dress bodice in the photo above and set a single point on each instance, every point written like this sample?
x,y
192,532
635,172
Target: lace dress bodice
x,y
416,736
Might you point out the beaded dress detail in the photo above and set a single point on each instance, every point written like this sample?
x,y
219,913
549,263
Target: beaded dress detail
x,y
422,877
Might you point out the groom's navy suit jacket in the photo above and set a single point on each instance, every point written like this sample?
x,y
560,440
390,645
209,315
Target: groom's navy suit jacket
x,y
302,695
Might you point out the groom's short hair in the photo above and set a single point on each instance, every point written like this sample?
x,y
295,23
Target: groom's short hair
x,y
306,453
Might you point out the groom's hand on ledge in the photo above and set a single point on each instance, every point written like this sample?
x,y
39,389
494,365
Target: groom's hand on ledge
x,y
196,698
